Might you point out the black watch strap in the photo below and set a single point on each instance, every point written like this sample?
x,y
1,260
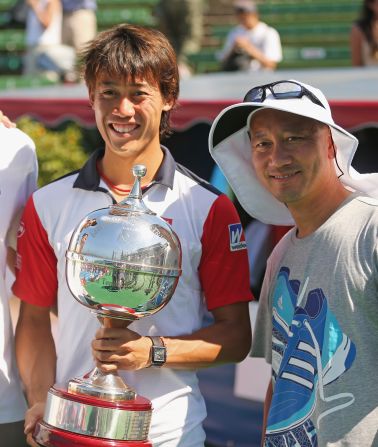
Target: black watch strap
x,y
158,353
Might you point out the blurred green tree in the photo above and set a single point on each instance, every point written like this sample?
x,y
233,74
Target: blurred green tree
x,y
59,151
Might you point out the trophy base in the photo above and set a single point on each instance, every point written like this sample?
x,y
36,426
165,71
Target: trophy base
x,y
79,420
47,436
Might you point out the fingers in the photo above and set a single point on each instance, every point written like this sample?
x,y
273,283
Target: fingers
x,y
6,121
107,367
32,416
30,423
110,354
124,333
30,441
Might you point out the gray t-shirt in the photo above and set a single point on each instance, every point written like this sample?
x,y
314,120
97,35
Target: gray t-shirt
x,y
318,326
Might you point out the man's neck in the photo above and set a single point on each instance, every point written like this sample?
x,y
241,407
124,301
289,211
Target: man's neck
x,y
311,215
117,170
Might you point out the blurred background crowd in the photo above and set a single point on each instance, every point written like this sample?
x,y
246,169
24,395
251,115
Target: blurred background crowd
x,y
42,36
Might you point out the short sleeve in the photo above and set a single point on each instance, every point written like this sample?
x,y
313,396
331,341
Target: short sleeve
x,y
224,270
36,267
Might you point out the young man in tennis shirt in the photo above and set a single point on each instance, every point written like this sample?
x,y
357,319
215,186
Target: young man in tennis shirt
x,y
132,77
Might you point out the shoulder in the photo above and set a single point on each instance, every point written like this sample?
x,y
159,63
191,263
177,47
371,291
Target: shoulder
x,y
367,207
186,177
236,31
356,31
58,188
366,203
268,30
281,247
15,139
18,149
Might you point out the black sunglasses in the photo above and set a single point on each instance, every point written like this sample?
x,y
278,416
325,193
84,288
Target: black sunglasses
x,y
281,90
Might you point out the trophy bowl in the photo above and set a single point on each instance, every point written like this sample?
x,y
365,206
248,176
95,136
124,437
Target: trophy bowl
x,y
123,263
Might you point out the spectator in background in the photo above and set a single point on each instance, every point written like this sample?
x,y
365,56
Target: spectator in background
x,y
18,173
364,36
79,22
252,45
182,22
45,52
79,26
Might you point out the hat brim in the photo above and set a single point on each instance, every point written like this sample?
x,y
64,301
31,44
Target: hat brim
x,y
230,147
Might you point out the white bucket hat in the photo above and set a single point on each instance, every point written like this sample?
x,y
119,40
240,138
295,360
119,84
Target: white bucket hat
x,y
230,147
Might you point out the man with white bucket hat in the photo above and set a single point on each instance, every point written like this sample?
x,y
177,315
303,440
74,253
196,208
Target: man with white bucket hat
x,y
317,325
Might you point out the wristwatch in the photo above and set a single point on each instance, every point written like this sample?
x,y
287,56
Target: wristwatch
x,y
158,353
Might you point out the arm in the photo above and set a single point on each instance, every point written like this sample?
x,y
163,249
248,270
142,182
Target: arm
x,y
11,259
6,121
36,358
356,39
228,339
46,15
228,46
255,53
268,400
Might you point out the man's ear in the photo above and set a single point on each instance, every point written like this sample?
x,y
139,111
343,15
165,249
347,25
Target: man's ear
x,y
91,99
331,147
168,106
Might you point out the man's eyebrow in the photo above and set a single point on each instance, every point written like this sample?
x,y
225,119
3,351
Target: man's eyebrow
x,y
258,133
134,84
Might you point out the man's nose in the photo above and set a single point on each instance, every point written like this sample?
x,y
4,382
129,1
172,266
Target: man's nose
x,y
280,155
124,108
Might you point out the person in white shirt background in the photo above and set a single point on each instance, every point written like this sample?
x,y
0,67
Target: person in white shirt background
x,y
18,179
252,44
45,52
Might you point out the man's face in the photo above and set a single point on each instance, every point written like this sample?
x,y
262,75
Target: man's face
x,y
128,114
292,156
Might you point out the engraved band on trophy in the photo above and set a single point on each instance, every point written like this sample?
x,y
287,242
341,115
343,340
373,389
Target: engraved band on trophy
x,y
124,263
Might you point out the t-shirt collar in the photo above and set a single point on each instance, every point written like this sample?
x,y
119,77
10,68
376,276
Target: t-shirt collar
x,y
89,178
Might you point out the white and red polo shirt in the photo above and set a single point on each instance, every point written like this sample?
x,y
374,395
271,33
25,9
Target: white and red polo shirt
x,y
214,274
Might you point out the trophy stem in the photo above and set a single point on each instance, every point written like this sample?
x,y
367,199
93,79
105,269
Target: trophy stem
x,y
98,384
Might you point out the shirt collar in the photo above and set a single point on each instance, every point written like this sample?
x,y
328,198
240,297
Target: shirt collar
x,y
89,178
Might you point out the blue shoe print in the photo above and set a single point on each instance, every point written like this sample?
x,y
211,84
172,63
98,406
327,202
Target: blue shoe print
x,y
317,353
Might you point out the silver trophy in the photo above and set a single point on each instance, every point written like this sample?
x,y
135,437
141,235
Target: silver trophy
x,y
124,263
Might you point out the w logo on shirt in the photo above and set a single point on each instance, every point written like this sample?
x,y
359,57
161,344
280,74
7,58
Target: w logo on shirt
x,y
237,239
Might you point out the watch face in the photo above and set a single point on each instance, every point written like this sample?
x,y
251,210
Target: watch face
x,y
159,354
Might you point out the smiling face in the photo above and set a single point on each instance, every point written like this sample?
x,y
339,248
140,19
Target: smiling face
x,y
128,115
292,156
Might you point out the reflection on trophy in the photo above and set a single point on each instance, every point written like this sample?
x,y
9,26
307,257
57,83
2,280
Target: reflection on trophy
x,y
124,263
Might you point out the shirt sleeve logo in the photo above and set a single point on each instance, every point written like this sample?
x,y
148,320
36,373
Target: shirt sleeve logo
x,y
237,239
21,229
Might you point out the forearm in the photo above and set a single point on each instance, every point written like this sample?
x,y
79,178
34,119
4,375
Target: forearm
x,y
259,56
225,341
45,15
268,400
11,259
36,358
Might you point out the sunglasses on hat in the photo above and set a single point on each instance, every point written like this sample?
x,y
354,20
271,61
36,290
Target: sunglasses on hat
x,y
281,90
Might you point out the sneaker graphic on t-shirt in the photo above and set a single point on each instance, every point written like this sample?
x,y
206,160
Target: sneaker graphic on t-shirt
x,y
310,351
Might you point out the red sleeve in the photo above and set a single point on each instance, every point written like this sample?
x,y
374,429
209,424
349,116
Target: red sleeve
x,y
224,270
36,270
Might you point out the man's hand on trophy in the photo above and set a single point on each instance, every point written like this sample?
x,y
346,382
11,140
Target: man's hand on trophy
x,y
32,416
120,348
